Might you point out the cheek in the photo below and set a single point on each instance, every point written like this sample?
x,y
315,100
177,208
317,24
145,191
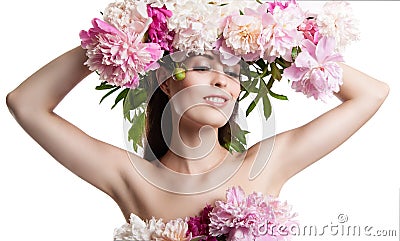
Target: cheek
x,y
235,89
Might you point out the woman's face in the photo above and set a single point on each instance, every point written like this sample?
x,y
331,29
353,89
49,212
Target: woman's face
x,y
207,94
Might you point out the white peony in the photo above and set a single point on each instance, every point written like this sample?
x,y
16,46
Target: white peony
x,y
175,230
156,228
337,20
139,229
123,233
242,32
289,18
195,23
234,6
126,15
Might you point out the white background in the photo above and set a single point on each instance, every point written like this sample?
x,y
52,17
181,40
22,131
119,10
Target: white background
x,y
41,200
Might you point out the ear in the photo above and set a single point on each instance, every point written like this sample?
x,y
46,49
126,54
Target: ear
x,y
163,79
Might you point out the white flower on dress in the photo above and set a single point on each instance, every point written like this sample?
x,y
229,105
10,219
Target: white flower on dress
x,y
156,228
152,230
337,20
175,230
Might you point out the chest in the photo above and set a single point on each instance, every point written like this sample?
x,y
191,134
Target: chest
x,y
147,200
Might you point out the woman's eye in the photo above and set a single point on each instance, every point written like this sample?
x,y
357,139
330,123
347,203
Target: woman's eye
x,y
201,68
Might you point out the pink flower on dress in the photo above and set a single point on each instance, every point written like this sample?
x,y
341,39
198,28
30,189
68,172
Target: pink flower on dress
x,y
118,57
241,217
198,225
315,71
240,234
158,31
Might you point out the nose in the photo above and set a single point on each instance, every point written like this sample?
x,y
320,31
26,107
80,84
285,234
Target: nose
x,y
219,79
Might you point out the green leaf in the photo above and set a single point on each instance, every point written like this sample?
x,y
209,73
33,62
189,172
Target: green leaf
x,y
267,107
241,135
263,90
136,131
295,52
275,72
109,93
104,85
136,98
121,96
277,96
283,63
251,107
261,63
199,238
254,74
246,93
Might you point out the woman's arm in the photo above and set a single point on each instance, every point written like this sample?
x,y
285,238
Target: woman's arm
x,y
294,150
32,104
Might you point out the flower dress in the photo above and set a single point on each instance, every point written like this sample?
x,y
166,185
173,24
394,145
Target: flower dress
x,y
256,217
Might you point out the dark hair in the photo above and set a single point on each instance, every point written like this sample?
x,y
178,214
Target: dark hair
x,y
155,144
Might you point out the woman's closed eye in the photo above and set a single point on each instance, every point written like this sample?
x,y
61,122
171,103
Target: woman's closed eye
x,y
201,68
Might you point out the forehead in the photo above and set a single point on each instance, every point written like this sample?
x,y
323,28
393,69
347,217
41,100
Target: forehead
x,y
210,57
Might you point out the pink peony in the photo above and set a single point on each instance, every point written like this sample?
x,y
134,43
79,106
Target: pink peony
x,y
315,71
158,31
198,225
240,234
255,217
280,35
310,30
118,57
279,5
240,215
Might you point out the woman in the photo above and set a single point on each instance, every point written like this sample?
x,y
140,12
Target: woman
x,y
110,169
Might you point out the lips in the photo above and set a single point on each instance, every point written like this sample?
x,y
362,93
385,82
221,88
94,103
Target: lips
x,y
216,100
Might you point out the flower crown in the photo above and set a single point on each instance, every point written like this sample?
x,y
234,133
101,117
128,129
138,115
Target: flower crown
x,y
277,39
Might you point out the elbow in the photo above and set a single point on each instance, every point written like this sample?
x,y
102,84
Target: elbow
x,y
11,99
17,105
381,92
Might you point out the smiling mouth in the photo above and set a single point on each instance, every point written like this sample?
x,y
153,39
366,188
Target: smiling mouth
x,y
216,100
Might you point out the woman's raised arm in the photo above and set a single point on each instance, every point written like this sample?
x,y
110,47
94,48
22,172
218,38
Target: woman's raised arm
x,y
32,104
295,149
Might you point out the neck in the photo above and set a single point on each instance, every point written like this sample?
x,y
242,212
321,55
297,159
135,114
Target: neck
x,y
193,149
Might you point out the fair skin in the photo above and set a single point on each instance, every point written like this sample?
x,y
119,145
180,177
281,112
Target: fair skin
x,y
109,168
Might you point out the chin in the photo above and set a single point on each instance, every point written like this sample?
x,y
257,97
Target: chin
x,y
205,115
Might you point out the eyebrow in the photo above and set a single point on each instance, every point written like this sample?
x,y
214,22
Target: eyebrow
x,y
207,56
203,55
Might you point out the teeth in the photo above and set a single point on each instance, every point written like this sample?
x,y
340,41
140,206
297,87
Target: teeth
x,y
216,99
